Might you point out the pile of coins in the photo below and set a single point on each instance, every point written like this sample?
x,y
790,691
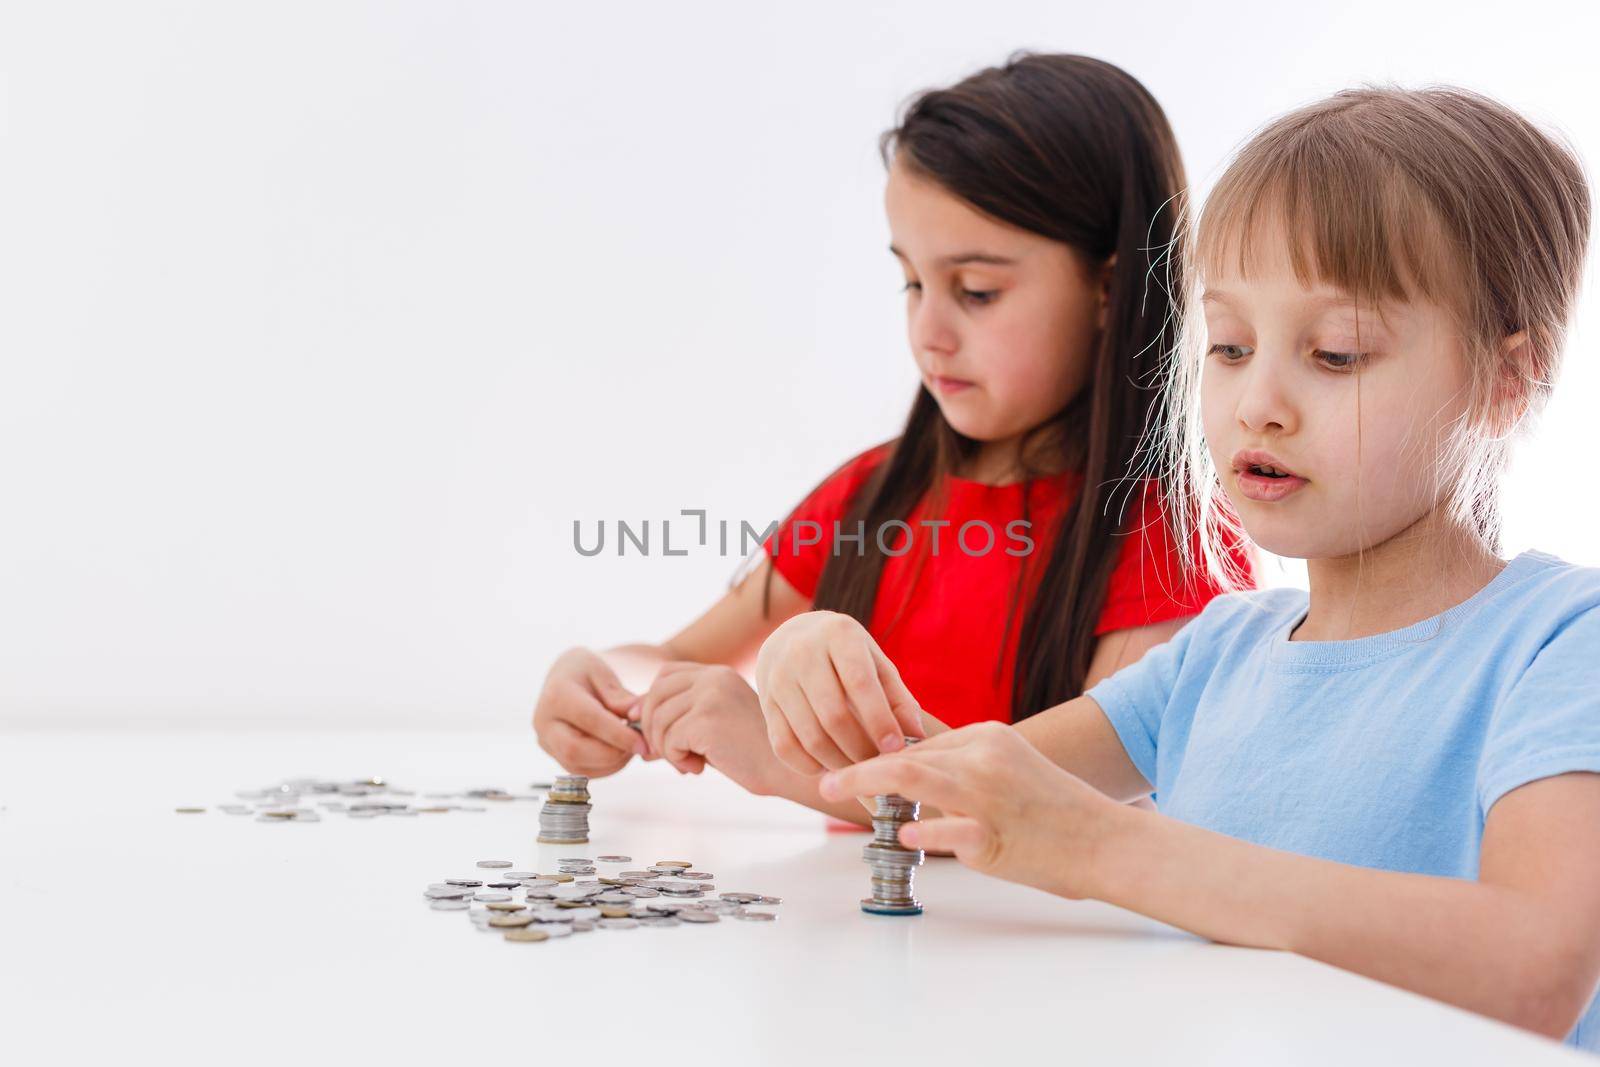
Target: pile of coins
x,y
564,819
668,893
361,798
893,865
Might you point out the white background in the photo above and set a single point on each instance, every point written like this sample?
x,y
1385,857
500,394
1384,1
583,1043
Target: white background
x,y
320,323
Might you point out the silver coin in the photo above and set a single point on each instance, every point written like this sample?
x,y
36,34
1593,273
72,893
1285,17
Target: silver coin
x,y
770,900
574,859
491,898
657,920
494,863
615,859
463,881
517,876
689,915
558,930
449,905
755,916
642,892
617,924
448,892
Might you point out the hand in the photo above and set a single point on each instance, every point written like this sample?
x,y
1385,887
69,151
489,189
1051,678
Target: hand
x,y
1004,808
579,717
830,696
697,714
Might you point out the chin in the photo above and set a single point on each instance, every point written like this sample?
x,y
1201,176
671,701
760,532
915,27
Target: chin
x,y
1297,540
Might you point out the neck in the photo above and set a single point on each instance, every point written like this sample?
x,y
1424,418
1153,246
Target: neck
x,y
1422,571
1035,453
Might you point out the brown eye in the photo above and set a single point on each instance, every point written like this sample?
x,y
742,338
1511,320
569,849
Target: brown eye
x,y
980,296
1338,360
1230,353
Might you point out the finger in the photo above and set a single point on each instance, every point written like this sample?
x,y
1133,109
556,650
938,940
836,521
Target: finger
x,y
857,670
818,698
608,690
898,772
663,690
907,713
677,666
579,753
588,716
949,833
661,721
785,743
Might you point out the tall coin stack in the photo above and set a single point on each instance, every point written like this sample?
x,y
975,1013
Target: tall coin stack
x,y
564,819
893,865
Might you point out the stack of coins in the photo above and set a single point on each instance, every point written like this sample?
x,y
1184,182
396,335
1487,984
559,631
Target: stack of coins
x,y
564,819
893,865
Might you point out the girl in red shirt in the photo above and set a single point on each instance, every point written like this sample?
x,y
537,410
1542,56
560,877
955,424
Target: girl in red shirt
x,y
1005,551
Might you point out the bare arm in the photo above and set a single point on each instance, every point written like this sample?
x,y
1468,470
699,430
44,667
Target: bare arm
x,y
1521,944
729,632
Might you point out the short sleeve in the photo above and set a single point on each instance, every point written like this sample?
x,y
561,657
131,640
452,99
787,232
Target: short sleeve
x,y
1136,698
1549,722
799,546
1149,584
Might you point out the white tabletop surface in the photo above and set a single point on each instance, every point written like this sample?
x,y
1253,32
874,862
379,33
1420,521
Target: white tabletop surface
x,y
127,930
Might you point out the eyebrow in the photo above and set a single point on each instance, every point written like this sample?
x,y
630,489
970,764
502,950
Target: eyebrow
x,y
960,259
1324,299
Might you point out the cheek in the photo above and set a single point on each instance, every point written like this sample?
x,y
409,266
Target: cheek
x,y
1038,356
1218,403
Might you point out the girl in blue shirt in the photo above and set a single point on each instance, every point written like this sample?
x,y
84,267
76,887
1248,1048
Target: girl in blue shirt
x,y
1399,772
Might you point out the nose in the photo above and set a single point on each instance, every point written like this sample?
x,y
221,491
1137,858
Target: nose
x,y
930,325
1265,405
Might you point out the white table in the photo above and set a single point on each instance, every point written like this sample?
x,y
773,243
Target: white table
x,y
129,931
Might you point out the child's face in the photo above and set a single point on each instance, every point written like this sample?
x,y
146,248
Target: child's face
x,y
1001,321
1362,426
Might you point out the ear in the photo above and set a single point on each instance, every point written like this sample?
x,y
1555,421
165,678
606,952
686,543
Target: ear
x,y
1509,396
1107,269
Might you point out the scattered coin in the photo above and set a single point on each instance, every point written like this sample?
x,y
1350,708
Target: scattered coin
x,y
190,811
527,933
494,863
615,859
449,905
510,918
689,916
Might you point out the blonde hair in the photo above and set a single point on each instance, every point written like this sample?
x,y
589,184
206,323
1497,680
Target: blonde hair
x,y
1394,194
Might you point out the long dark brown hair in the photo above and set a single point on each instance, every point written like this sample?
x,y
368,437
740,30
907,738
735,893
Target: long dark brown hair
x,y
1075,150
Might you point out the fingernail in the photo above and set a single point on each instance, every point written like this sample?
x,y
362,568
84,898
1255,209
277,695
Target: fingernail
x,y
891,743
825,787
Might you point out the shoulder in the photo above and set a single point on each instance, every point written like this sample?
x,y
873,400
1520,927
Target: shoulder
x,y
832,496
1249,614
1561,587
1549,596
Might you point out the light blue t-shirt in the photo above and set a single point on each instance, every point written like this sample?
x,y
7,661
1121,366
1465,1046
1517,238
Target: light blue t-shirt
x,y
1384,751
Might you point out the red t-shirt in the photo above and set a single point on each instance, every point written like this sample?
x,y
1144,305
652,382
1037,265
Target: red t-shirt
x,y
945,628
